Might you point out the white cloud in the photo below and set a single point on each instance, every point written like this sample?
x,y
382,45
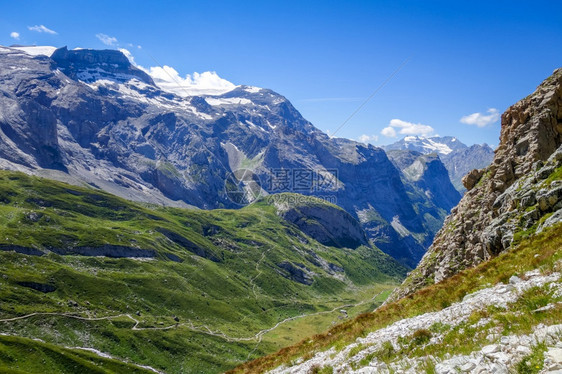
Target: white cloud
x,y
106,39
368,138
480,119
42,28
15,35
207,83
397,126
389,132
168,79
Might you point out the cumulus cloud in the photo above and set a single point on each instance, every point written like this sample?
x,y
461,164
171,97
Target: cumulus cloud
x,y
368,138
397,126
481,119
42,28
389,132
207,83
15,35
168,79
106,39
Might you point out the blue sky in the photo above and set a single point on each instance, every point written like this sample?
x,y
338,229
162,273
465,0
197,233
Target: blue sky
x,y
327,57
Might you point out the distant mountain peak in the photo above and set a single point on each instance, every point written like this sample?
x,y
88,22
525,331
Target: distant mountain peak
x,y
459,159
435,144
90,65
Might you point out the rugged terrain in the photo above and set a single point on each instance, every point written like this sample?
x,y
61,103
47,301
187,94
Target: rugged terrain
x,y
90,117
517,194
487,296
458,158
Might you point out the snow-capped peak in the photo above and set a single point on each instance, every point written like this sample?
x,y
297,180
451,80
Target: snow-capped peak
x,y
434,144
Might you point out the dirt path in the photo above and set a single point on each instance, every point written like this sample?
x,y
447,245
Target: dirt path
x,y
203,328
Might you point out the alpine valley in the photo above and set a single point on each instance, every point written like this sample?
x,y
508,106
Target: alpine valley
x,y
148,227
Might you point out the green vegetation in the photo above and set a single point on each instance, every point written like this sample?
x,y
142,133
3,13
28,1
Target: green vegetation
x,y
532,363
179,290
543,252
20,355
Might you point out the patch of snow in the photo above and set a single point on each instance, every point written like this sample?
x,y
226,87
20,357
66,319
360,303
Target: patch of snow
x,y
437,147
215,101
37,50
252,89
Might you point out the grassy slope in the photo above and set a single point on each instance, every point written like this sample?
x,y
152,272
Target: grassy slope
x,y
238,296
543,251
21,355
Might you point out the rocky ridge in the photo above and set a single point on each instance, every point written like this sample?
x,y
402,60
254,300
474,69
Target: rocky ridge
x,y
499,355
510,199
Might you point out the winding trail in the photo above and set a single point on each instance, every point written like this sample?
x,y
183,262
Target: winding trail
x,y
202,329
259,272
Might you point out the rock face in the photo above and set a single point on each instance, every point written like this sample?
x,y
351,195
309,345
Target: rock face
x,y
91,117
425,178
458,163
457,157
518,193
327,224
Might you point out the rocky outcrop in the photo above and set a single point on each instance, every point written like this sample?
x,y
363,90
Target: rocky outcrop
x,y
497,353
459,163
41,287
518,192
325,223
107,250
296,272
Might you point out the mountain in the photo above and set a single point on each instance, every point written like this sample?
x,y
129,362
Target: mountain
x,y
90,117
92,282
441,145
518,194
487,296
459,159
426,179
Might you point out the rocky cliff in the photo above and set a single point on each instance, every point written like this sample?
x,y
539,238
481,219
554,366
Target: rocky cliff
x,y
518,194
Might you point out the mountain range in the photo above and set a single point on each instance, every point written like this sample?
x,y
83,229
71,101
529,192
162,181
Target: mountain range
x,y
149,228
91,117
487,296
458,158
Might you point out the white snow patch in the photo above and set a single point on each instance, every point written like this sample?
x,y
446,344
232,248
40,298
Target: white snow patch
x,y
252,89
37,50
215,101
